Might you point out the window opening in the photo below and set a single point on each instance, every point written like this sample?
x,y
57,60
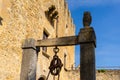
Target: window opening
x,y
51,14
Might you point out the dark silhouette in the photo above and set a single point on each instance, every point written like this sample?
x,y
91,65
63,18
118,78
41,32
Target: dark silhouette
x,y
1,20
41,78
87,19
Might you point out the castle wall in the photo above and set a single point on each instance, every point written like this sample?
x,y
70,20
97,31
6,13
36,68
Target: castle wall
x,y
102,74
26,19
108,75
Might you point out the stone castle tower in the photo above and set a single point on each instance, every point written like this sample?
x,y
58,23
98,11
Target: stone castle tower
x,y
22,19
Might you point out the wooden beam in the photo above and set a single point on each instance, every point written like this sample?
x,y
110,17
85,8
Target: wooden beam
x,y
87,54
62,41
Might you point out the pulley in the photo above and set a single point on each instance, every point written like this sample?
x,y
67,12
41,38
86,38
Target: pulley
x,y
55,65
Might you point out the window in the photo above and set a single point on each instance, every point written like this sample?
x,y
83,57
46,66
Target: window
x,y
45,36
51,14
66,26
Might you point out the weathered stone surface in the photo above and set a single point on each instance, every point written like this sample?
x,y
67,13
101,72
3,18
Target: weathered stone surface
x,y
103,75
26,19
29,60
108,75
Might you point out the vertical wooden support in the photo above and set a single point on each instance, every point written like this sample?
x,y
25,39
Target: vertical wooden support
x,y
29,59
87,56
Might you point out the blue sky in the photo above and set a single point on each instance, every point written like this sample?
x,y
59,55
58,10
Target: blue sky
x,y
106,22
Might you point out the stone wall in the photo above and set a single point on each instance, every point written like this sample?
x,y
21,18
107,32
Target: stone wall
x,y
108,75
26,19
102,74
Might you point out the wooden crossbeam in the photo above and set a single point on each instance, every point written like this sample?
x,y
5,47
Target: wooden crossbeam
x,y
62,41
86,35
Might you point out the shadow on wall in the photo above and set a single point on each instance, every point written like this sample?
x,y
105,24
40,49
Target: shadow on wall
x,y
1,20
42,77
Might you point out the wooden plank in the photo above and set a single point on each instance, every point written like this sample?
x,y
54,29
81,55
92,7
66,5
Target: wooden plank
x,y
62,41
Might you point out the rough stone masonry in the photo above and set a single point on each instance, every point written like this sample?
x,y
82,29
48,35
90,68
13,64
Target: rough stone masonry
x,y
22,19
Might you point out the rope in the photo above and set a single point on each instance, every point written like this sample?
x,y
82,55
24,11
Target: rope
x,y
58,76
48,75
55,65
57,27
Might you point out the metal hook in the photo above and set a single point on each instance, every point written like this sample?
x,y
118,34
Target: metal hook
x,y
56,50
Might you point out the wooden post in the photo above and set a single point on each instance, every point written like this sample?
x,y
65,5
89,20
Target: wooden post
x,y
29,59
87,56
